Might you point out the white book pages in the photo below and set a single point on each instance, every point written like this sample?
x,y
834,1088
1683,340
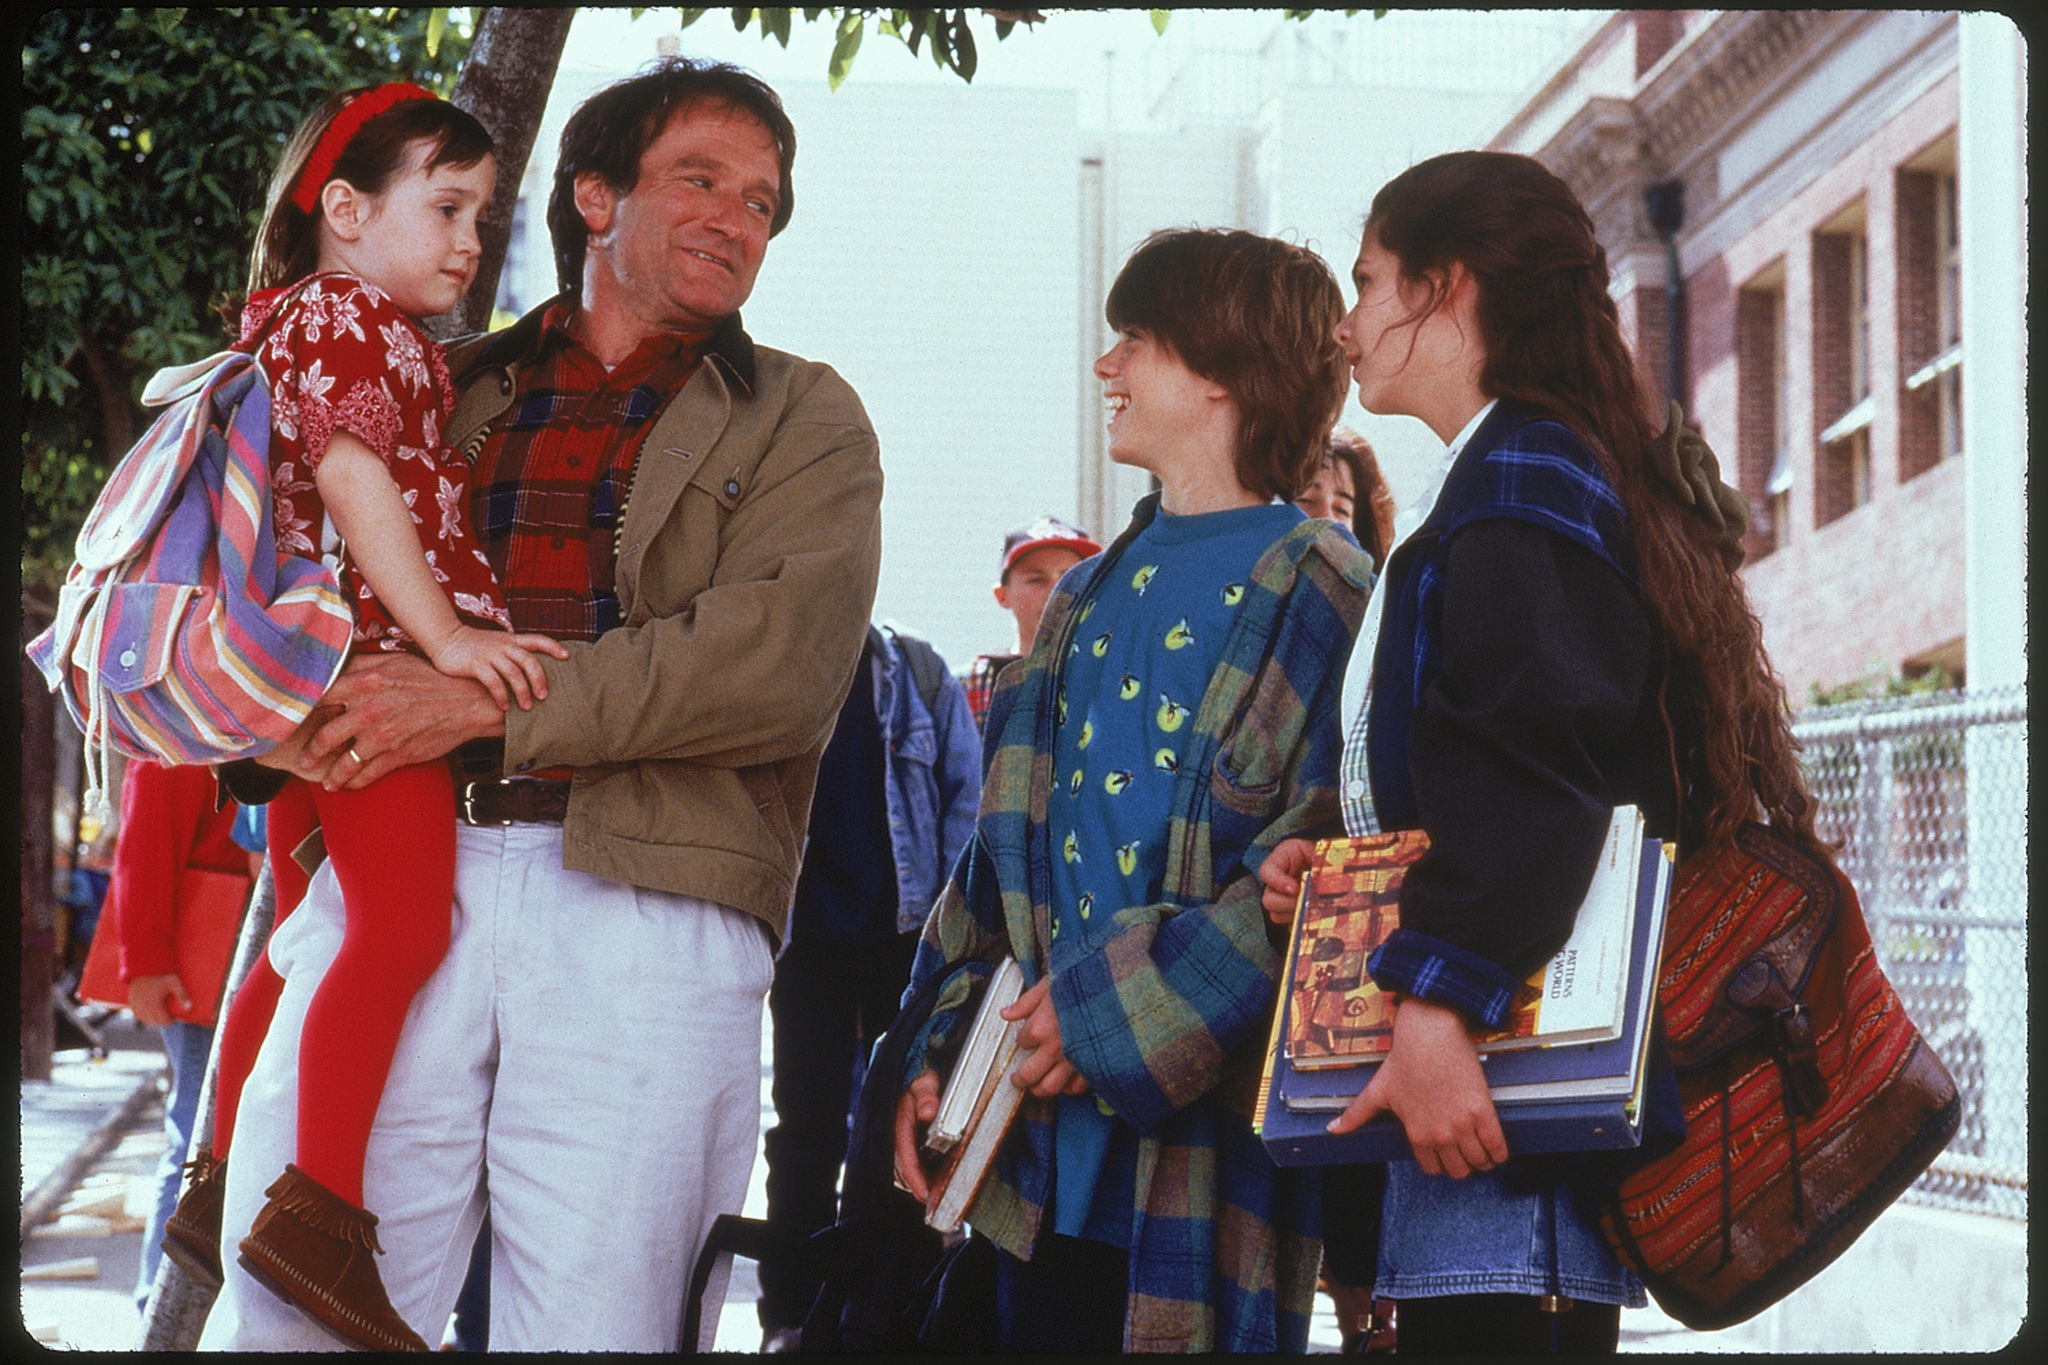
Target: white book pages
x,y
988,1038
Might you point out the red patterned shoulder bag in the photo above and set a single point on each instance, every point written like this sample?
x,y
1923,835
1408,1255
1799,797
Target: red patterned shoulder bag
x,y
1811,1101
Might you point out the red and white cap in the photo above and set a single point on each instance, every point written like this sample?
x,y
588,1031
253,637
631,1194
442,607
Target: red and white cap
x,y
1046,531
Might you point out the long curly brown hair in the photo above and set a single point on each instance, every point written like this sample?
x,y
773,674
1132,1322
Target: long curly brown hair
x,y
1553,342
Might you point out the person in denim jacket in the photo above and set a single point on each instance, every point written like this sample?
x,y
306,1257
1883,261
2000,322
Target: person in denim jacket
x,y
897,792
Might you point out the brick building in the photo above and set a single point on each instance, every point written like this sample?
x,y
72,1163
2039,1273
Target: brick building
x,y
1827,205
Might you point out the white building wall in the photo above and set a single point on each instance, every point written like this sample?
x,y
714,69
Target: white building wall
x,y
939,275
952,245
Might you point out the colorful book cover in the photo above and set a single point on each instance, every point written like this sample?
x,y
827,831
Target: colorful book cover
x,y
1350,903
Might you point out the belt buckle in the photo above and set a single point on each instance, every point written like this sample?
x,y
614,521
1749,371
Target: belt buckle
x,y
469,804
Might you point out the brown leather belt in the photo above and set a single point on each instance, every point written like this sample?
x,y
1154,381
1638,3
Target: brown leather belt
x,y
512,801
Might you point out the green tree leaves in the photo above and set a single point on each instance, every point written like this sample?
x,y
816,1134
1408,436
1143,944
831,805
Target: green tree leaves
x,y
950,39
148,138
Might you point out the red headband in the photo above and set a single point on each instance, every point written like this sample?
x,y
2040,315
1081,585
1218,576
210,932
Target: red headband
x,y
346,124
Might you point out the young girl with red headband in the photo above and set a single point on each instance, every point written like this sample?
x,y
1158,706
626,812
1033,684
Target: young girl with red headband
x,y
370,225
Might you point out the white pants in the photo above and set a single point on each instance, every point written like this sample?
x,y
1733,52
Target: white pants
x,y
587,1058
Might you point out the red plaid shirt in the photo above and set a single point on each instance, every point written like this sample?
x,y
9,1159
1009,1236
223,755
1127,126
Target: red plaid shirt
x,y
548,490
979,682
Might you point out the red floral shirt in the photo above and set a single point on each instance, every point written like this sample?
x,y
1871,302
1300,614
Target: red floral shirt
x,y
348,359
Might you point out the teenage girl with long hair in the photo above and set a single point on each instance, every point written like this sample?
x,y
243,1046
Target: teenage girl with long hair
x,y
370,225
1563,634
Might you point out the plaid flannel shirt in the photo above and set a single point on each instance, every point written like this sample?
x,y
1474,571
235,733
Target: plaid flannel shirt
x,y
979,681
1167,1020
549,487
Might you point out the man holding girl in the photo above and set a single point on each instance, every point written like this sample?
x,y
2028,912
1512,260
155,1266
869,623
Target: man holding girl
x,y
696,519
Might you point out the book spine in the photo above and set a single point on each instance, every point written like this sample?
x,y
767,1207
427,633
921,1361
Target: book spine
x,y
1277,1037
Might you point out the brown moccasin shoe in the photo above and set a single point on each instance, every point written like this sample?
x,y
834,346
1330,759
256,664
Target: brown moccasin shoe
x,y
313,1248
192,1235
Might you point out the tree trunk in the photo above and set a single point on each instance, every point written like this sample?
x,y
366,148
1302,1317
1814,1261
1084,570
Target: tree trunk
x,y
117,404
38,905
505,83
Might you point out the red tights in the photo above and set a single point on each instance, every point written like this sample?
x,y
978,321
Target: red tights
x,y
393,849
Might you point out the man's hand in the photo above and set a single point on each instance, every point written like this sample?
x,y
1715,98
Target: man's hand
x,y
1280,875
915,1109
1432,1082
1045,1072
150,998
386,711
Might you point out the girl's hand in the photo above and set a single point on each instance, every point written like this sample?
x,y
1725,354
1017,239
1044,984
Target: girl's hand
x,y
1281,876
150,998
498,659
1045,1072
915,1109
1432,1082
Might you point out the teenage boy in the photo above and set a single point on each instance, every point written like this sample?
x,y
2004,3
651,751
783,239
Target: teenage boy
x,y
1175,719
1034,558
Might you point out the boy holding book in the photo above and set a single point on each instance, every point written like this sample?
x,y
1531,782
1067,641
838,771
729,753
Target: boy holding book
x,y
1175,720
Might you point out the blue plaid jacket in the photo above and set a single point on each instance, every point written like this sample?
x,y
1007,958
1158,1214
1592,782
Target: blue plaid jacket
x,y
1167,1019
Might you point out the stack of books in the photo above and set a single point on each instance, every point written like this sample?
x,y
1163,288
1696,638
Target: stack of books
x,y
1566,1071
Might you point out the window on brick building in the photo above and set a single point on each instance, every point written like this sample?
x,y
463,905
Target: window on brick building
x,y
1930,312
1763,422
1843,399
1779,485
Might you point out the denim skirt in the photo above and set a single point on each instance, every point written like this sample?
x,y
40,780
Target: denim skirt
x,y
1472,1236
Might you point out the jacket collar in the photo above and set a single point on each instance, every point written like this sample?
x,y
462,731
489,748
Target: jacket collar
x,y
729,345
1507,414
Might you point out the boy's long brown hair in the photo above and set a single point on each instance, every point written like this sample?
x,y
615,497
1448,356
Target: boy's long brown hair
x,y
1553,342
1258,316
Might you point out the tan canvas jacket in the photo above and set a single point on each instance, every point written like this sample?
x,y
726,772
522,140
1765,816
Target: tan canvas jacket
x,y
746,572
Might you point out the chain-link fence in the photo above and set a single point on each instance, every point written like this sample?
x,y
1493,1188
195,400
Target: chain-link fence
x,y
1927,797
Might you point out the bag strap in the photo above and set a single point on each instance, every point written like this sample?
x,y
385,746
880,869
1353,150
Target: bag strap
x,y
927,669
757,1239
175,382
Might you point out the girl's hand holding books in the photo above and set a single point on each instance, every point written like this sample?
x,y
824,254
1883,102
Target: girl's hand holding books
x,y
916,1107
1432,1082
499,660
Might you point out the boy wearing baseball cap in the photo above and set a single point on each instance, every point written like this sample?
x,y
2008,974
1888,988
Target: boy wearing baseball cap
x,y
1034,558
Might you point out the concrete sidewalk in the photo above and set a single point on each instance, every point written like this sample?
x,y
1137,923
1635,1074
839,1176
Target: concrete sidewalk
x,y
91,1138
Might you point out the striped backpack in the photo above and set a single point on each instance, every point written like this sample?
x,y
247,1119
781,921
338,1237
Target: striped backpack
x,y
182,635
